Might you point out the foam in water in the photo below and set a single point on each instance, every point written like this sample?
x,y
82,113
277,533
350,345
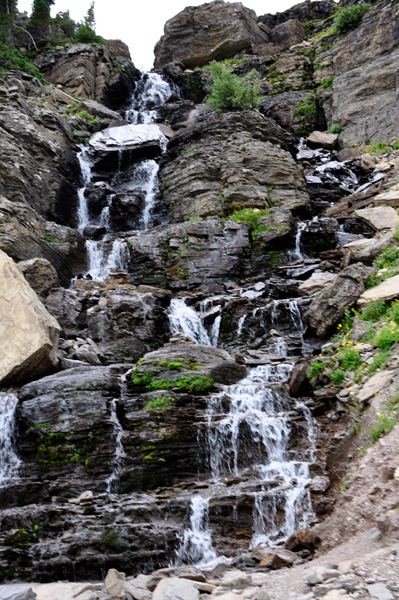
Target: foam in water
x,y
151,91
184,319
241,321
196,546
101,263
9,461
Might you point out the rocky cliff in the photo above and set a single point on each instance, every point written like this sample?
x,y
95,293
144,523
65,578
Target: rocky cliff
x,y
199,313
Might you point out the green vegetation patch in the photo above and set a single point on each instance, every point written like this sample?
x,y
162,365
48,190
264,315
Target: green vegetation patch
x,y
229,92
161,403
349,18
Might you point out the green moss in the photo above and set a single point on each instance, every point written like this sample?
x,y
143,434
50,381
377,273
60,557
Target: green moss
x,y
315,369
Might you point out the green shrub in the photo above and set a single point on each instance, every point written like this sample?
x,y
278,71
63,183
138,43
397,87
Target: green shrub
x,y
374,311
231,92
195,384
86,35
334,129
248,215
387,259
387,336
393,312
379,361
386,422
349,18
315,369
162,403
337,376
350,359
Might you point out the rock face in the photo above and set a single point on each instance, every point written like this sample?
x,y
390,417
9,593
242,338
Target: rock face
x,y
29,332
91,71
212,31
217,176
328,307
362,59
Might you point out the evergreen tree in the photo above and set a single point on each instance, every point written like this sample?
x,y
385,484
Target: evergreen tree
x,y
90,19
41,11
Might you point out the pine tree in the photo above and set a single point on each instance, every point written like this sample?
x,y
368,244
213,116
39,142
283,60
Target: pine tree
x,y
41,11
90,19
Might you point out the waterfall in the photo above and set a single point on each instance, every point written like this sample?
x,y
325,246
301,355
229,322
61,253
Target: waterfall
x,y
151,91
183,319
119,451
298,252
102,264
253,437
196,544
215,331
241,321
9,461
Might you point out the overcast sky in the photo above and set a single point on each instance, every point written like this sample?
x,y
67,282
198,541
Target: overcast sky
x,y
139,23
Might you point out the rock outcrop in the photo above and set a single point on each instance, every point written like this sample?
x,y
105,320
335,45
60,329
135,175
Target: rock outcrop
x,y
29,333
91,71
212,31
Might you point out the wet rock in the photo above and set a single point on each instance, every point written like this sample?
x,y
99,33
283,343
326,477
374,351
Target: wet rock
x,y
29,334
278,222
212,31
40,274
379,217
319,139
328,307
175,589
298,377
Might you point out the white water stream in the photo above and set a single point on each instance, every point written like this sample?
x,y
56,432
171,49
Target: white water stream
x,y
9,461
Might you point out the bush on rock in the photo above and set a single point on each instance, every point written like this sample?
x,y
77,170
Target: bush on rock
x,y
229,92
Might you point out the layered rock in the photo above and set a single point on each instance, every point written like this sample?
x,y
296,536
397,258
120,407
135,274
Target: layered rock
x,y
29,332
91,71
212,31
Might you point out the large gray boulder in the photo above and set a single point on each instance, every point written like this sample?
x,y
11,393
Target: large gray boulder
x,y
212,31
327,309
175,589
29,334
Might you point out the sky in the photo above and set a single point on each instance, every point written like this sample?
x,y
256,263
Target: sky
x,y
139,23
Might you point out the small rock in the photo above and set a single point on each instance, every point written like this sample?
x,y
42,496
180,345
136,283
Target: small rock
x,y
345,566
278,558
114,582
21,591
319,138
174,588
374,534
379,591
236,579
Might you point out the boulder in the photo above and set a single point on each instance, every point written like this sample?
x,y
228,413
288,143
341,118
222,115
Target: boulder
x,y
175,589
137,587
278,558
298,377
40,274
64,591
211,31
327,309
319,139
390,198
379,591
279,223
318,574
93,72
21,591
379,217
95,108
375,384
387,290
306,539
366,250
288,33
315,283
28,332
212,363
114,582
187,572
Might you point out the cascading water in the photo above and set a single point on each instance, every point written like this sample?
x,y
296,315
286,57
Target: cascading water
x,y
110,254
184,319
9,461
151,91
249,435
119,451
